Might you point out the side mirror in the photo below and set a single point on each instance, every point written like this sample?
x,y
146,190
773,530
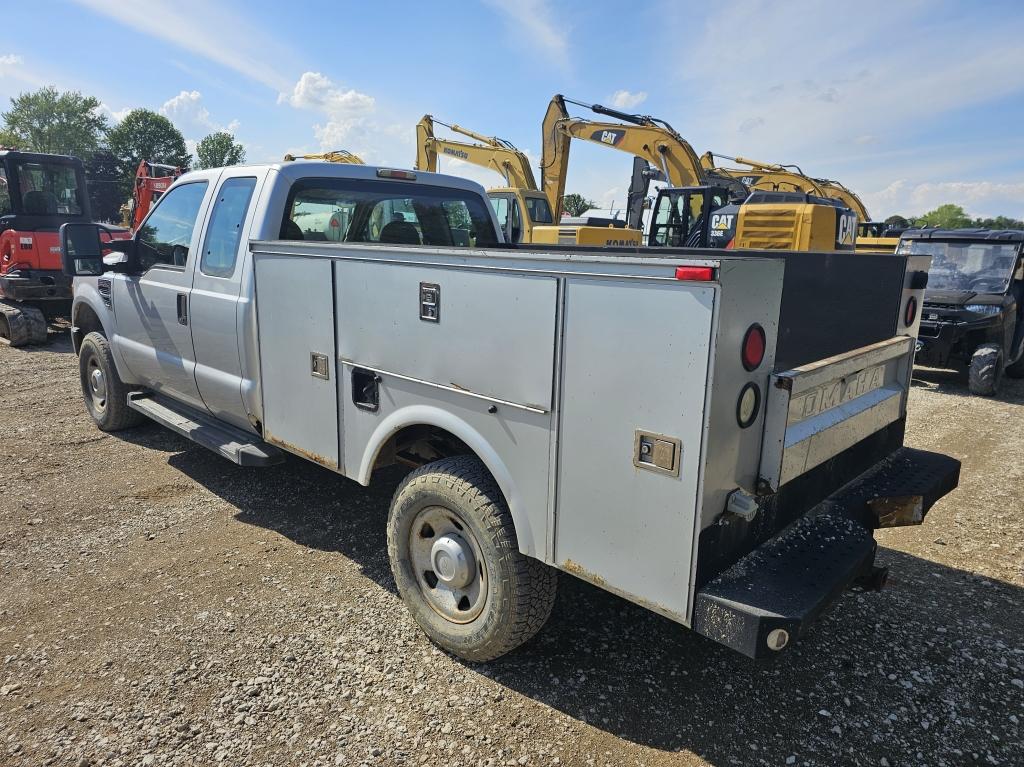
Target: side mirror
x,y
81,250
86,250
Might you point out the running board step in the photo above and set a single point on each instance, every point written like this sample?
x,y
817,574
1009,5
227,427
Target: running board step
x,y
234,444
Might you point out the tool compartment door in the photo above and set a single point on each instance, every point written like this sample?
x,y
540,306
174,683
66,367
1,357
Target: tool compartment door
x,y
635,376
298,376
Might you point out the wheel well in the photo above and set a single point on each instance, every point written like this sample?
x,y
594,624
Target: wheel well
x,y
84,322
418,445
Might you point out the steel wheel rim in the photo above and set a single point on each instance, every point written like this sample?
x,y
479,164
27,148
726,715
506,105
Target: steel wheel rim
x,y
456,589
96,384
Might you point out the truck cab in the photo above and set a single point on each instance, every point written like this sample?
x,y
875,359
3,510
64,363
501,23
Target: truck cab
x,y
973,312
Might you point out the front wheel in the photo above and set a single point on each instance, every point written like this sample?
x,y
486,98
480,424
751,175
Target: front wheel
x,y
986,370
457,565
106,395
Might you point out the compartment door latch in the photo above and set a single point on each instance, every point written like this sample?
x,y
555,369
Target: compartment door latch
x,y
656,452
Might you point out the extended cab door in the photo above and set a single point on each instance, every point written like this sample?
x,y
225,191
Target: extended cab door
x,y
216,287
154,335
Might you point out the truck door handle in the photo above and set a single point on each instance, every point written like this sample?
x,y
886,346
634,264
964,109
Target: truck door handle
x,y
183,308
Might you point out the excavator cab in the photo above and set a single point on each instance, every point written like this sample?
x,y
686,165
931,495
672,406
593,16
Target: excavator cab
x,y
688,217
518,211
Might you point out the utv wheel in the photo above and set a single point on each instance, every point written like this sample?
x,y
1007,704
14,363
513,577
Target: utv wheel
x,y
106,396
21,325
457,564
986,370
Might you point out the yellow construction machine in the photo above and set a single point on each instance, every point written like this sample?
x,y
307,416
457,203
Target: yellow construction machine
x,y
522,209
338,155
872,236
700,208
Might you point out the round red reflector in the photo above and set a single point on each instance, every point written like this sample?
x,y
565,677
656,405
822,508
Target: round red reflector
x,y
753,347
911,312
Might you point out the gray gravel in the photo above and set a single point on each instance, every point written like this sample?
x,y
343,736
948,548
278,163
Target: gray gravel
x,y
161,606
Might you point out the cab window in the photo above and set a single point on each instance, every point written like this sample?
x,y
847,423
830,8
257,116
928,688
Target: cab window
x,y
395,212
166,235
539,211
225,230
5,194
500,205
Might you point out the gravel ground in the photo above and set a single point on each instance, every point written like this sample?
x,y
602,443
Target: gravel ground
x,y
159,605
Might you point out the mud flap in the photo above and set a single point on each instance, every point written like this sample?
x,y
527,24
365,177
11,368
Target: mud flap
x,y
771,596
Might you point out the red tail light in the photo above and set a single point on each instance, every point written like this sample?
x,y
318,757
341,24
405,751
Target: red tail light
x,y
754,344
911,312
695,273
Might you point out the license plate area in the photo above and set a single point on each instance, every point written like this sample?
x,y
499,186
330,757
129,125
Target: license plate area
x,y
816,411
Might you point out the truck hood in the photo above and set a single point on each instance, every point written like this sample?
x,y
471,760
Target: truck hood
x,y
950,297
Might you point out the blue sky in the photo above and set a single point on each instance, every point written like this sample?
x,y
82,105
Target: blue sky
x,y
911,104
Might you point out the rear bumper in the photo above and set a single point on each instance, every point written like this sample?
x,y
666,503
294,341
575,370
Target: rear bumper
x,y
37,285
772,595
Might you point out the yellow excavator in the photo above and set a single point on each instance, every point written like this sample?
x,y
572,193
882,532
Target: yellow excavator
x,y
338,155
872,236
700,208
522,209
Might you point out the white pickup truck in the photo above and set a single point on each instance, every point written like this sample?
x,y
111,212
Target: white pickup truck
x,y
714,436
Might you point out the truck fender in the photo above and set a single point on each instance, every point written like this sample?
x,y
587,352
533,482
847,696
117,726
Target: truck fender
x,y
425,415
88,299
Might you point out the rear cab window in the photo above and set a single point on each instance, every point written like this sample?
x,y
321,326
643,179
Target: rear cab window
x,y
360,210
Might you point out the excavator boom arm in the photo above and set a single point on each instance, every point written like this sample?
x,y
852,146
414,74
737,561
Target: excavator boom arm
x,y
771,177
641,137
493,153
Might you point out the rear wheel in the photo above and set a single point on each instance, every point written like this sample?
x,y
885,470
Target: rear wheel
x,y
457,565
986,370
106,395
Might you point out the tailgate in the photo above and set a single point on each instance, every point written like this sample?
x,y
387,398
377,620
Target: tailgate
x,y
816,411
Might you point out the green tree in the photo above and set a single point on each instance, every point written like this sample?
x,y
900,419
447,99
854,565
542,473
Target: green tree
x,y
576,204
145,135
946,216
103,181
219,149
999,222
57,123
898,221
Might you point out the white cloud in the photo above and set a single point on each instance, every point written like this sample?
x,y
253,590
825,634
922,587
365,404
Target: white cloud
x,y
113,115
627,99
530,24
12,67
209,30
978,198
348,112
188,112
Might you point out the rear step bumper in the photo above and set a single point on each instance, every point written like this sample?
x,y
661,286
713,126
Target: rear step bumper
x,y
234,444
771,596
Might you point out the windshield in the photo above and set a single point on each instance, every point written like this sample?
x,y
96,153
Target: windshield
x,y
983,267
47,189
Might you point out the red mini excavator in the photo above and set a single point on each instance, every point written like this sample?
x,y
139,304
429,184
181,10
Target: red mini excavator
x,y
38,193
151,181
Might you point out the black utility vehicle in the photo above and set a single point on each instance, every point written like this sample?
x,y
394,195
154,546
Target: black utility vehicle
x,y
973,310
